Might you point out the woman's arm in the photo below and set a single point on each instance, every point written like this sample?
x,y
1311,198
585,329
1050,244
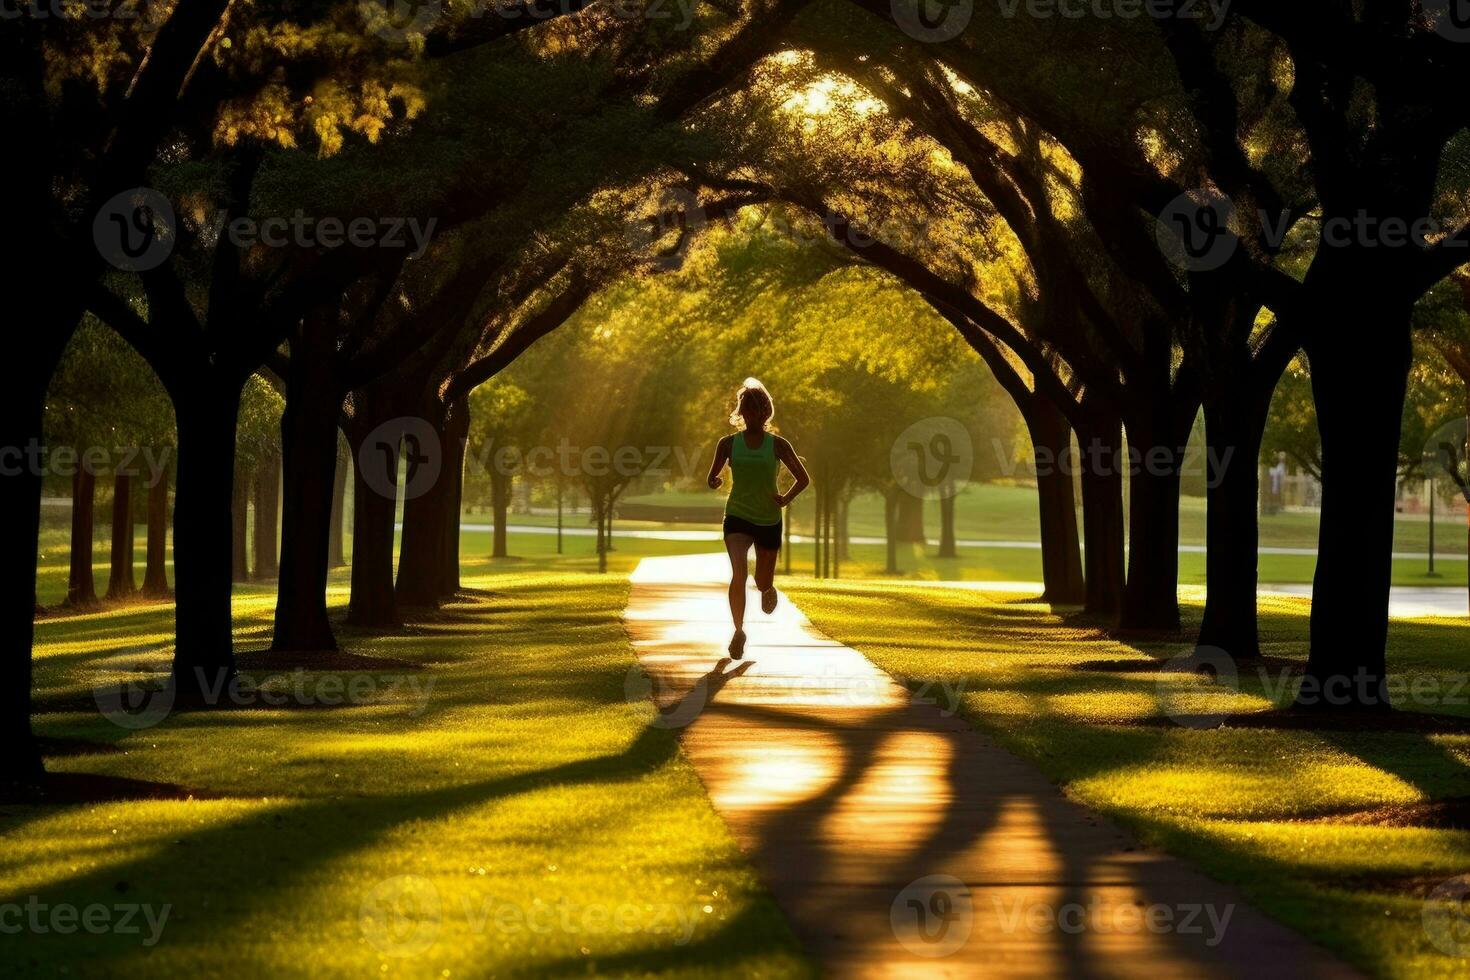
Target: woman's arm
x,y
786,454
722,456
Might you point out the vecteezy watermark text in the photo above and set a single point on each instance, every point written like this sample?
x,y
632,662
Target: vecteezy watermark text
x,y
97,919
144,701
404,916
138,229
38,459
1200,230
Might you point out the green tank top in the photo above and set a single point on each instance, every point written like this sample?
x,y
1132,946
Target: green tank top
x,y
753,472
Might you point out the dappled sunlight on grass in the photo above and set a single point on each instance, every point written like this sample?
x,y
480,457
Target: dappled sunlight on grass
x,y
1261,807
503,771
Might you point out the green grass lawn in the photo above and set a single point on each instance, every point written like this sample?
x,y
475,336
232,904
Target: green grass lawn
x,y
498,803
450,827
995,512
984,512
1301,820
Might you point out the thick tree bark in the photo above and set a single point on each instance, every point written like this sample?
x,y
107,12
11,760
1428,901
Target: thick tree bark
x,y
336,557
1102,516
1151,595
373,601
1359,392
421,552
81,589
947,548
1055,464
458,429
1233,433
155,575
267,517
240,528
204,539
21,407
310,469
121,582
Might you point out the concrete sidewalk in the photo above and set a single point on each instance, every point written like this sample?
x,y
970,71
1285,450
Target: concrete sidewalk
x,y
901,842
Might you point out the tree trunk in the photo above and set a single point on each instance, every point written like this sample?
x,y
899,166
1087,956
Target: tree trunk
x,y
310,470
121,584
834,524
843,546
81,588
267,517
336,558
500,486
817,533
1102,516
204,542
947,548
1151,595
1359,392
421,551
457,430
892,509
240,528
1233,433
1055,463
373,601
155,576
21,407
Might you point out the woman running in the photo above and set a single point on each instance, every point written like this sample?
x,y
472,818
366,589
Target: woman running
x,y
753,509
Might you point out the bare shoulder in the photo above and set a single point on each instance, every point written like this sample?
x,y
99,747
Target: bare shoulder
x,y
784,446
725,443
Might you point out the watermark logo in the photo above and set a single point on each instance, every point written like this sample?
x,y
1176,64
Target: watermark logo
x,y
671,709
676,210
1194,230
1210,14
1446,916
305,231
1197,689
1104,917
932,21
422,457
933,915
933,457
401,916
1449,18
135,231
399,21
135,703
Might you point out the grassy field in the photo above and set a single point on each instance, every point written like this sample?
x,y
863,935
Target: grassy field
x,y
984,512
499,775
1338,832
992,512
486,797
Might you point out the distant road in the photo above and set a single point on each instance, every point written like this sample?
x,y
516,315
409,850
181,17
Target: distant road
x,y
713,534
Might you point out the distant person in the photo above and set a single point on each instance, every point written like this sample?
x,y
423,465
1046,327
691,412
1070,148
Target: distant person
x,y
753,509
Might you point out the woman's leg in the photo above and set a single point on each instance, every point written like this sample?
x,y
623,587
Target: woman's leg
x,y
738,545
765,577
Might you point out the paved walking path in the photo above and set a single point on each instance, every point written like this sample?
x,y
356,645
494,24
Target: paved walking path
x,y
851,796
